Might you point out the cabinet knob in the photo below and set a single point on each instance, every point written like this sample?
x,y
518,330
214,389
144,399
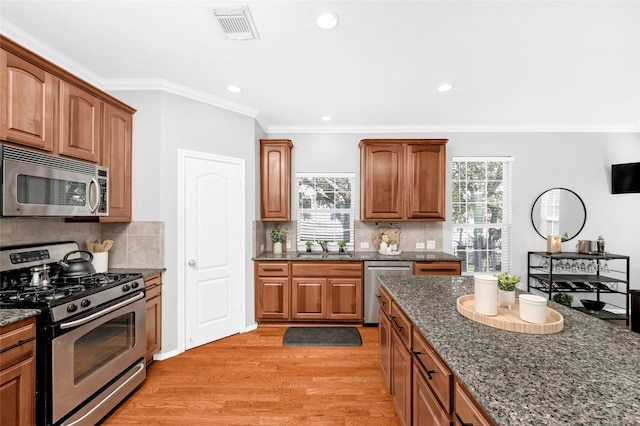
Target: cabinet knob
x,y
192,262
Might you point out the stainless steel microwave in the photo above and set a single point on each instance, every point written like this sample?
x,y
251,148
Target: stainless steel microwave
x,y
36,184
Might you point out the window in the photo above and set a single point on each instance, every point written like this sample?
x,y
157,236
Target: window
x,y
325,208
481,197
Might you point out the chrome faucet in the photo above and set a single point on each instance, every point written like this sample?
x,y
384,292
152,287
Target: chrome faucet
x,y
323,244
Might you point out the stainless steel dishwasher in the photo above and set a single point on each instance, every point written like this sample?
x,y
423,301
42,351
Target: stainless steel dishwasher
x,y
379,267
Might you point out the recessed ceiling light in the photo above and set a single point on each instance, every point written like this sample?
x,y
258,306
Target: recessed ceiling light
x,y
445,87
234,89
327,20
325,118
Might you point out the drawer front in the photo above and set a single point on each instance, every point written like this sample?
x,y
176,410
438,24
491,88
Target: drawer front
x,y
401,324
153,280
17,342
436,268
438,375
152,292
384,300
327,269
465,410
426,407
272,269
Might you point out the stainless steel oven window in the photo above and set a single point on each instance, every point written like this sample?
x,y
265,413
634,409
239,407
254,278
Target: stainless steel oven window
x,y
102,344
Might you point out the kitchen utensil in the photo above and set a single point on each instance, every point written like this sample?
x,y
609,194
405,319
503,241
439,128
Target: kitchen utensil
x,y
77,267
107,244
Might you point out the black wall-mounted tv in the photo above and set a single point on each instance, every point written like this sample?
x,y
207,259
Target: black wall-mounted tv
x,y
625,178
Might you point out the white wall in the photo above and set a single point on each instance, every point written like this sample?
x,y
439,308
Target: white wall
x,y
580,162
164,124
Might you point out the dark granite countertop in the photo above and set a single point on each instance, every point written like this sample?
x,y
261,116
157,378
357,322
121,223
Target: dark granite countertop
x,y
146,272
587,374
10,316
360,256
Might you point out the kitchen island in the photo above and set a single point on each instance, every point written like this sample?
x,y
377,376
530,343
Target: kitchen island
x,y
587,374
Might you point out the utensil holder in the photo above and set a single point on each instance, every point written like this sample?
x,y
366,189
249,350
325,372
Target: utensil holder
x,y
101,262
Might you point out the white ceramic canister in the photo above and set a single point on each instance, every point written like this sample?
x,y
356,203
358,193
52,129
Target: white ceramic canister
x,y
485,292
533,308
101,261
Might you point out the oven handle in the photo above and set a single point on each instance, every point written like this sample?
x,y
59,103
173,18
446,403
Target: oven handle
x,y
93,183
100,313
139,367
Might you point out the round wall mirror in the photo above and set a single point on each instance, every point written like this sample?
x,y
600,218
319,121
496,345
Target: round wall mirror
x,y
558,211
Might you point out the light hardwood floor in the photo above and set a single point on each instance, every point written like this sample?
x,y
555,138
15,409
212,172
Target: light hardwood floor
x,y
251,379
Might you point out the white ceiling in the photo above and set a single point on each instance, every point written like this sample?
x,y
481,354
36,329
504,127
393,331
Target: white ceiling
x,y
515,65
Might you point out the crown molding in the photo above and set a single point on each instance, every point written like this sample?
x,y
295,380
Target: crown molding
x,y
452,129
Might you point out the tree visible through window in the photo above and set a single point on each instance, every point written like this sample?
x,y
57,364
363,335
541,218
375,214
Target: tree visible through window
x,y
481,197
325,208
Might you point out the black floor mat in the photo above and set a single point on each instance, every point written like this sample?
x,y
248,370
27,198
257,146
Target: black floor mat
x,y
322,336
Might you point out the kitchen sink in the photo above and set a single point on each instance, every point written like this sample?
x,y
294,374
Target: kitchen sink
x,y
325,256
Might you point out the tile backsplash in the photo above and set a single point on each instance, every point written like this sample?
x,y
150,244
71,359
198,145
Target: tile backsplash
x,y
411,233
136,244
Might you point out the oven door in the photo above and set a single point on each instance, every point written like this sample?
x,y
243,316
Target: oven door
x,y
91,352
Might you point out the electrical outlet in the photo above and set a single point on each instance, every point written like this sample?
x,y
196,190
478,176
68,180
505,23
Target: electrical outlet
x,y
261,247
420,245
364,245
288,244
431,245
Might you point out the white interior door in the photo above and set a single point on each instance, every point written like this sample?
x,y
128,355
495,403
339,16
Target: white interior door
x,y
214,234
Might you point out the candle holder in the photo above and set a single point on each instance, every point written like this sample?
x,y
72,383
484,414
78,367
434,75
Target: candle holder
x,y
554,244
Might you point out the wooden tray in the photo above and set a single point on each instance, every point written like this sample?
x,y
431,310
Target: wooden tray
x,y
509,319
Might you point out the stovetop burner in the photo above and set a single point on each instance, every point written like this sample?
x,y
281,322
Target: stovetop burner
x,y
39,294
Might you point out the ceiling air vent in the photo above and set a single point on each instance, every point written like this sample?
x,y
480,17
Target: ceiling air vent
x,y
236,23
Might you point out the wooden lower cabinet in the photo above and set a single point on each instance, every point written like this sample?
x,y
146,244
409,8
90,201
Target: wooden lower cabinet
x,y
401,378
424,390
466,409
384,347
426,408
153,289
308,291
18,373
436,268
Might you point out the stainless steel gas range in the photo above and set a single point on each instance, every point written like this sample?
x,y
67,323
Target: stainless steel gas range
x,y
90,338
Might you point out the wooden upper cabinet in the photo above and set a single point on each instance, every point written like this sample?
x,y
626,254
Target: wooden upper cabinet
x,y
425,177
275,179
27,98
80,123
402,179
116,155
382,181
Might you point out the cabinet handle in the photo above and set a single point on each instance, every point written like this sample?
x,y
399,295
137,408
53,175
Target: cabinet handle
x,y
461,422
424,367
395,324
380,301
19,343
273,269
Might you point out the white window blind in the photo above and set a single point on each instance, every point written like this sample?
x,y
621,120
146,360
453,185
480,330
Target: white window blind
x,y
326,211
481,198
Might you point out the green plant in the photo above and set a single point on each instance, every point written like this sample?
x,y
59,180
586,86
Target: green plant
x,y
308,244
563,299
507,282
277,234
342,244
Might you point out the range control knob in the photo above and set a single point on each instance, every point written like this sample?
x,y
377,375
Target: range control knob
x,y
85,303
72,307
135,284
126,287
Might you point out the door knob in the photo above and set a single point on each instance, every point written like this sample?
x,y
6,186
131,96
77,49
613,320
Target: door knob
x,y
192,262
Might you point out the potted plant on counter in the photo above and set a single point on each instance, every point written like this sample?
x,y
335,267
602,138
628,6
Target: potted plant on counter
x,y
342,246
507,289
308,244
278,235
